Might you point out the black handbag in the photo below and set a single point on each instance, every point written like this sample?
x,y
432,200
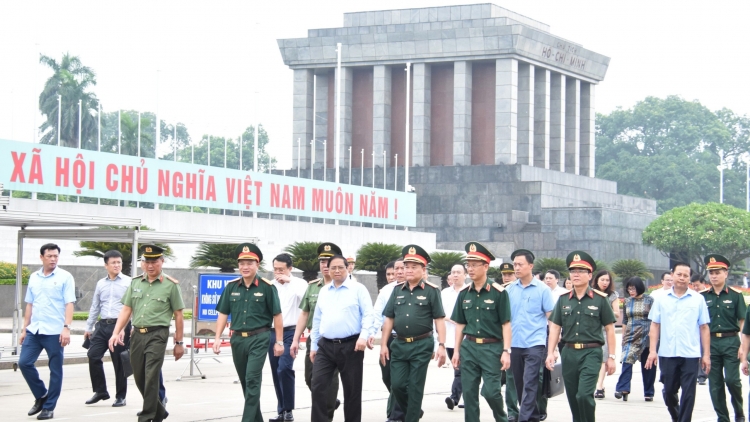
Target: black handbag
x,y
127,367
552,381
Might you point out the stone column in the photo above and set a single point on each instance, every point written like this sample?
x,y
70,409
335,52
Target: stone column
x,y
381,112
346,115
588,130
572,114
302,126
420,143
321,117
557,122
506,111
462,86
526,110
541,118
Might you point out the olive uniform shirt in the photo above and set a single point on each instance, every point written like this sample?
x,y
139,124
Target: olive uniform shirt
x,y
310,299
483,311
153,303
582,320
413,310
725,309
251,307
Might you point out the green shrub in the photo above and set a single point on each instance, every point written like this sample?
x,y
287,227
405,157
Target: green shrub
x,y
8,274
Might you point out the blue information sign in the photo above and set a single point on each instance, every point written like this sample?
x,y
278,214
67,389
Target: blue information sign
x,y
210,287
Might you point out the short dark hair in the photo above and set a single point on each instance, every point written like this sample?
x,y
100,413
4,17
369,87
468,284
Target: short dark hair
x,y
696,278
111,254
664,274
461,264
529,257
554,273
681,264
600,274
284,258
341,257
390,265
637,283
48,247
401,259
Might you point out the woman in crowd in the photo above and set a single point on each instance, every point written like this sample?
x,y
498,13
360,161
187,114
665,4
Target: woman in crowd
x,y
635,340
568,284
604,282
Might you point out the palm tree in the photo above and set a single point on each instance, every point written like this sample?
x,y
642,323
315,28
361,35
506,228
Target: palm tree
x,y
375,256
305,258
544,264
221,256
442,263
71,80
626,268
98,249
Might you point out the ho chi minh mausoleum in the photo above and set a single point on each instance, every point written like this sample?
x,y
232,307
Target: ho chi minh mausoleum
x,y
501,127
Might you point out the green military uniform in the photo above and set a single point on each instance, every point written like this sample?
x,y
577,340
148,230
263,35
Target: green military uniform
x,y
582,320
727,309
153,303
252,308
511,397
413,310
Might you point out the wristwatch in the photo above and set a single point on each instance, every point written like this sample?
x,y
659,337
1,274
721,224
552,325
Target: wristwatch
x,y
613,357
66,326
506,350
280,343
179,343
441,344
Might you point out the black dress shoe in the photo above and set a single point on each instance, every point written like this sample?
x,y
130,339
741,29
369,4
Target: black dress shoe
x,y
46,414
460,406
450,403
97,397
278,418
37,407
338,403
166,415
118,403
543,416
739,419
512,419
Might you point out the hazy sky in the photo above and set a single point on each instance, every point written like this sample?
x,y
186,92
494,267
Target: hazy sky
x,y
209,58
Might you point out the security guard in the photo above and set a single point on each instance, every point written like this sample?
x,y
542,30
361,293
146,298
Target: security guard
x,y
309,300
483,334
511,398
412,309
152,299
726,306
253,303
581,314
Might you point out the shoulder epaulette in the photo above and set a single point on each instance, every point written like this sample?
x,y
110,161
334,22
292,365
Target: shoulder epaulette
x,y
314,281
237,280
506,284
600,293
267,282
173,280
734,289
399,282
704,290
498,287
431,284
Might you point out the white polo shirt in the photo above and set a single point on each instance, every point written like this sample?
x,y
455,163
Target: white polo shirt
x,y
290,296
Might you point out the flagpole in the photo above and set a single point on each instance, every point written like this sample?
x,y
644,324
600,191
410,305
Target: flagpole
x,y
362,161
299,156
139,134
373,169
350,165
119,131
312,158
99,132
59,117
406,139
80,109
384,159
395,175
209,149
325,158
337,140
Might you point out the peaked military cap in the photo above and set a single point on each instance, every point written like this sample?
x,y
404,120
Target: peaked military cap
x,y
478,252
151,252
350,260
327,250
580,259
248,251
521,251
715,261
415,253
507,267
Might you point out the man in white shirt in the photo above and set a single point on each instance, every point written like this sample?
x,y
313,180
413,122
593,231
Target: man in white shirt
x,y
666,282
449,296
291,290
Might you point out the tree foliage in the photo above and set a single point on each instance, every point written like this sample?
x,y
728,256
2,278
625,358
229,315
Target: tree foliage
x,y
557,264
221,256
442,263
690,232
8,272
626,268
305,258
198,153
375,256
98,249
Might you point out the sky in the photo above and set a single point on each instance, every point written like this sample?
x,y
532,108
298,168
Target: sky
x,y
216,67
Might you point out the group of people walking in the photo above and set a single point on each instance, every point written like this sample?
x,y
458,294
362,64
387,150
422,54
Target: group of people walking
x,y
491,333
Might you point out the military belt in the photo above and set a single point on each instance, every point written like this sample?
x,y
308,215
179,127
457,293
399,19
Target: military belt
x,y
108,321
482,340
583,345
722,335
413,339
250,333
144,330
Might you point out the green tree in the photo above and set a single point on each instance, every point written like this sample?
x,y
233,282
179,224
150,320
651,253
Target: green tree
x,y
375,256
8,273
545,264
442,262
72,81
626,268
305,258
98,249
690,232
198,153
221,256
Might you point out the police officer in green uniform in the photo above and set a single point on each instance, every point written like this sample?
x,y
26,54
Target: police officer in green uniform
x,y
483,334
309,300
253,304
152,299
726,306
411,310
511,398
581,314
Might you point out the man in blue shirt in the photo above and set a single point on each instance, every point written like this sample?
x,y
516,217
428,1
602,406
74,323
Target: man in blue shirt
x,y
684,315
341,324
530,305
49,313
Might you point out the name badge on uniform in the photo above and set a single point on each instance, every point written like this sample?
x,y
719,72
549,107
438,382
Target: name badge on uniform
x,y
399,297
235,294
489,301
727,301
594,308
136,290
708,302
467,301
258,294
566,307
421,297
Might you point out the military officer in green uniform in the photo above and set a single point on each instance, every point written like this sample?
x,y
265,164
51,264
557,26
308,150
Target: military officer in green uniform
x,y
581,314
483,334
511,398
411,311
253,304
726,306
309,300
152,299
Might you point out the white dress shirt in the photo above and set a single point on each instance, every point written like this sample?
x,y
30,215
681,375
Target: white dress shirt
x,y
557,292
379,307
449,296
290,296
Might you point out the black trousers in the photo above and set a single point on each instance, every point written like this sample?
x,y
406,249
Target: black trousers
x,y
350,364
525,363
456,389
99,346
679,373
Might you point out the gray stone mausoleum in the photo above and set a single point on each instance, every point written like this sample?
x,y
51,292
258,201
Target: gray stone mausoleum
x,y
501,125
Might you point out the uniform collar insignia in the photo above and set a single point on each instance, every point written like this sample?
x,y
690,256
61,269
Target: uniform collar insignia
x,y
421,297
